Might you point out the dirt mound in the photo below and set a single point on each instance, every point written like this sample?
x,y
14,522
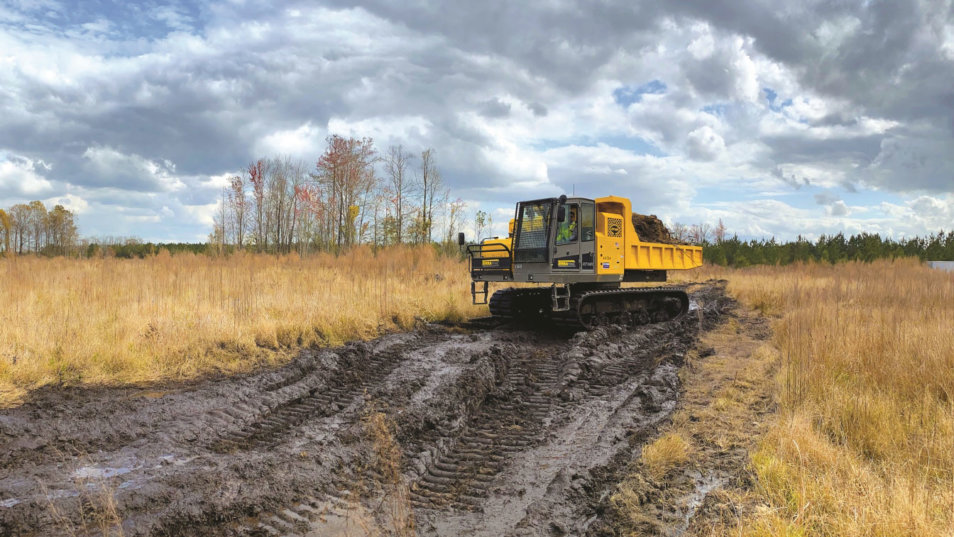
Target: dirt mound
x,y
649,228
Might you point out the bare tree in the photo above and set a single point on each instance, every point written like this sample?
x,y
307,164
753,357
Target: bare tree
x,y
218,238
314,225
286,176
396,165
38,224
296,177
455,211
680,232
481,221
6,230
277,202
430,185
719,232
238,206
257,177
700,233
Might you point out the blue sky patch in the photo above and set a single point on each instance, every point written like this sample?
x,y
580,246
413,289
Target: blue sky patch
x,y
627,95
633,144
772,97
716,109
129,20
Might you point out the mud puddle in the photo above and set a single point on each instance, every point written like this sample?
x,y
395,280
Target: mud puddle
x,y
493,432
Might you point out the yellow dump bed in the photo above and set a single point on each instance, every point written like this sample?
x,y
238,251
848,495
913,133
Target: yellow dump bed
x,y
656,256
619,242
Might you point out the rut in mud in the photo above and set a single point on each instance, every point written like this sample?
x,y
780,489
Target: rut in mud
x,y
500,432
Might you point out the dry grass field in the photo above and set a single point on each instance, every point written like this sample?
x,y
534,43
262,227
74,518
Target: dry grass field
x,y
863,444
177,317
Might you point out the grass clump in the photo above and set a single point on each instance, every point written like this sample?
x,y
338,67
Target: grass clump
x,y
665,453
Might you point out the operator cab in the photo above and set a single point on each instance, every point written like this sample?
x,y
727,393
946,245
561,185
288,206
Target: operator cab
x,y
554,240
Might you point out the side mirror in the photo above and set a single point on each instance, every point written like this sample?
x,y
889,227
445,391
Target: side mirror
x,y
561,214
460,239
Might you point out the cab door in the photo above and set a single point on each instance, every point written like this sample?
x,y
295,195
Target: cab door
x,y
566,246
587,237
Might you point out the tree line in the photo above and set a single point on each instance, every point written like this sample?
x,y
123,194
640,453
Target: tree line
x,y
719,249
828,249
352,194
30,228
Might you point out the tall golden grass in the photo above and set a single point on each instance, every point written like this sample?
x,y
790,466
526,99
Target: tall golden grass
x,y
864,441
177,317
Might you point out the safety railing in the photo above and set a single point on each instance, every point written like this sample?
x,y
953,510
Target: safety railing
x,y
490,261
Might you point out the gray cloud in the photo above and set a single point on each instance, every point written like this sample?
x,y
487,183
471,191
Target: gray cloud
x,y
859,149
915,161
839,208
494,108
538,109
792,179
834,206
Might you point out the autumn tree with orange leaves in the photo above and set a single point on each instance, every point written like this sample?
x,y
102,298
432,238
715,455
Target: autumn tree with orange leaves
x,y
345,173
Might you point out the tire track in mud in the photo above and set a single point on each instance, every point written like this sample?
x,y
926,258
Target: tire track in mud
x,y
460,476
315,403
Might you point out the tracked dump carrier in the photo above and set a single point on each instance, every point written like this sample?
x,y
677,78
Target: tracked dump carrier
x,y
583,250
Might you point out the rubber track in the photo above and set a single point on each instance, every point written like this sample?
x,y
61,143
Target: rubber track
x,y
573,316
460,477
523,304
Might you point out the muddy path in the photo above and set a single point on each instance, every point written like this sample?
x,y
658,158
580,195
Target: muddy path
x,y
499,431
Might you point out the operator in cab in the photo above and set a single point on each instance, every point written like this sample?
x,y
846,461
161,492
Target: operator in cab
x,y
568,228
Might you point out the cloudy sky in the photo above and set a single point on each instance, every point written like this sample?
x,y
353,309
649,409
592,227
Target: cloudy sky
x,y
780,118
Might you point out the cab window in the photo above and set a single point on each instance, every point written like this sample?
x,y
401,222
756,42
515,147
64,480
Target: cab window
x,y
532,229
587,221
569,229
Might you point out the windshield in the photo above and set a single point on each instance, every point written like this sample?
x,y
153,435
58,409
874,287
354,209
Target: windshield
x,y
532,230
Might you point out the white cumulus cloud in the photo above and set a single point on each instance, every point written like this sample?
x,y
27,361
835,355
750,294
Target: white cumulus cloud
x,y
21,176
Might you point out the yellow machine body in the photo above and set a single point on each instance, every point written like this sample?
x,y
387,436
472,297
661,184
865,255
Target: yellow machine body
x,y
585,248
618,251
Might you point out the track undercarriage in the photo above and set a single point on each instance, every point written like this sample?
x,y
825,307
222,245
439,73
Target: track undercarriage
x,y
587,307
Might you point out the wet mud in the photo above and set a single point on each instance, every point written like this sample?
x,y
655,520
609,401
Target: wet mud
x,y
497,431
